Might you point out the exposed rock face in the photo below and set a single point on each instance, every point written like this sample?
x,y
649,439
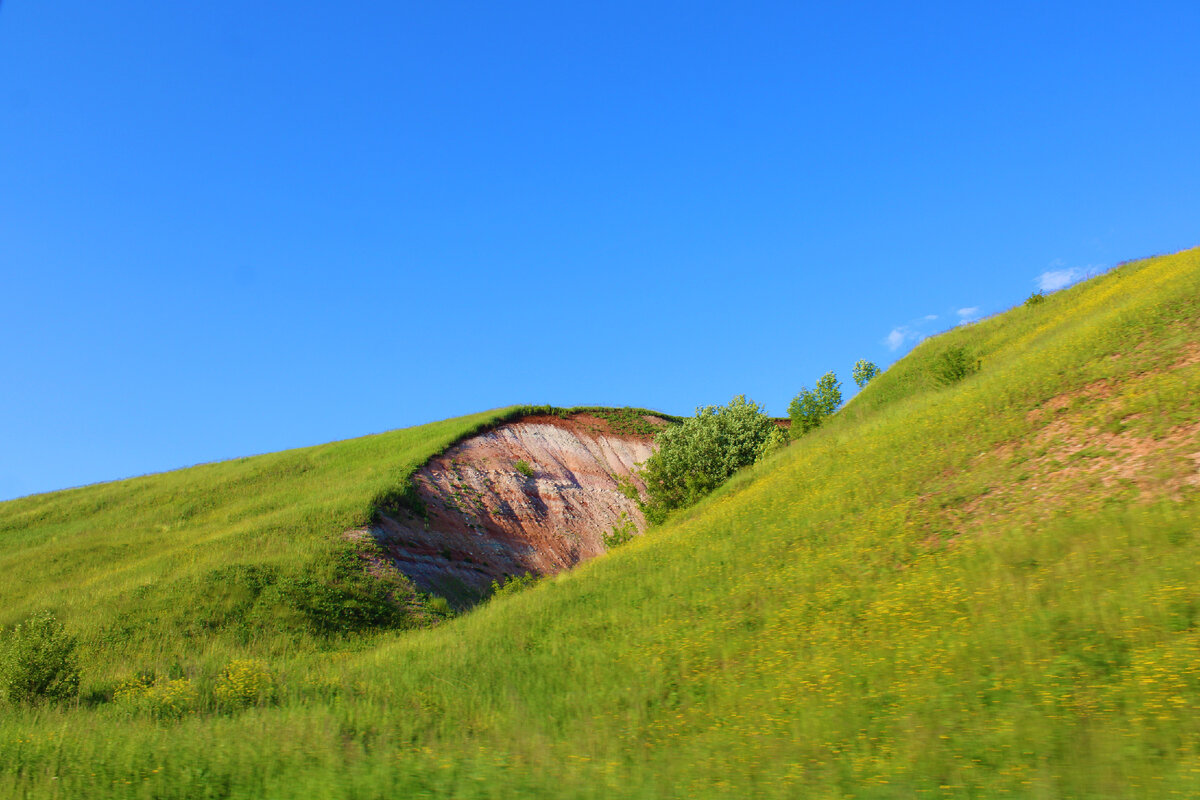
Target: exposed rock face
x,y
487,518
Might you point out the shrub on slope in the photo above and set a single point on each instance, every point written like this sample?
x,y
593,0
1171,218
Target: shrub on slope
x,y
696,456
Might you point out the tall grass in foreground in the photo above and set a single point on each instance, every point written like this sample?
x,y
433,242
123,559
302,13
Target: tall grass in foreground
x,y
930,596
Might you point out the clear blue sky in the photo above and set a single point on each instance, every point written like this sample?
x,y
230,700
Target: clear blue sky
x,y
229,228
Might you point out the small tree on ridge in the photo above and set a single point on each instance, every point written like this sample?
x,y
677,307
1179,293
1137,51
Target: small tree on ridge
x,y
811,407
864,371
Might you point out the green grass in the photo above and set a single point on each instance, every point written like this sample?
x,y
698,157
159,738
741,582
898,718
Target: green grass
x,y
170,569
911,601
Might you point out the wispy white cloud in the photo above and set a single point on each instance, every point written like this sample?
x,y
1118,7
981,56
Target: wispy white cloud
x,y
1055,279
910,332
915,330
1060,276
967,315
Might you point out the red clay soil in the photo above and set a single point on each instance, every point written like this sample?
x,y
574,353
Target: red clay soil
x,y
487,519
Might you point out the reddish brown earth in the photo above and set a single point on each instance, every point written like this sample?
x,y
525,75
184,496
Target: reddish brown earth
x,y
486,519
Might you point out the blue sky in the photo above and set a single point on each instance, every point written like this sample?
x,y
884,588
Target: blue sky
x,y
229,228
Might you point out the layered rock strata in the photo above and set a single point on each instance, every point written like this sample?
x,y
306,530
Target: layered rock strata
x,y
530,496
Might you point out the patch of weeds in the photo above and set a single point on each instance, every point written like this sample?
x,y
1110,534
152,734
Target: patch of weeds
x,y
404,498
158,697
954,364
440,606
245,683
513,584
524,468
627,421
1035,299
625,486
344,598
332,596
622,532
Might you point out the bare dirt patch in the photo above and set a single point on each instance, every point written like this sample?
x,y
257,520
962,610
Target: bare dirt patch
x,y
1189,356
1084,450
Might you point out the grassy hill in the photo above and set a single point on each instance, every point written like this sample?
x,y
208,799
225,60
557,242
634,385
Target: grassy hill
x,y
202,564
978,589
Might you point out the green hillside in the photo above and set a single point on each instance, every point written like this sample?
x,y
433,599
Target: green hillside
x,y
205,563
984,588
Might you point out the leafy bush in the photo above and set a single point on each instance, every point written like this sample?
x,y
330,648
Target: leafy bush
x,y
954,364
696,456
162,698
625,486
341,597
810,408
621,533
405,497
1037,298
244,683
524,468
777,439
38,661
864,371
513,584
334,596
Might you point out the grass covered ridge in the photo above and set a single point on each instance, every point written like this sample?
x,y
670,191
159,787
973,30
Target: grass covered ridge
x,y
934,594
207,563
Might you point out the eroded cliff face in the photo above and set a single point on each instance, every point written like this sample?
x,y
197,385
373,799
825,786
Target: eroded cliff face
x,y
487,518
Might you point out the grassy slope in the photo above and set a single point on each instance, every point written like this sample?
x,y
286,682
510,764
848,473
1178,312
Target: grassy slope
x,y
931,596
147,570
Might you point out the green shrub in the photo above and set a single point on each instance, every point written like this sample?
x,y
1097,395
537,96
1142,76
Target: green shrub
x,y
954,364
244,683
524,468
776,440
696,456
625,486
334,596
38,661
403,498
513,584
864,371
621,533
1037,298
810,408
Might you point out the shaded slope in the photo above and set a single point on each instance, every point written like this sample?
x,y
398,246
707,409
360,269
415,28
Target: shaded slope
x,y
841,620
